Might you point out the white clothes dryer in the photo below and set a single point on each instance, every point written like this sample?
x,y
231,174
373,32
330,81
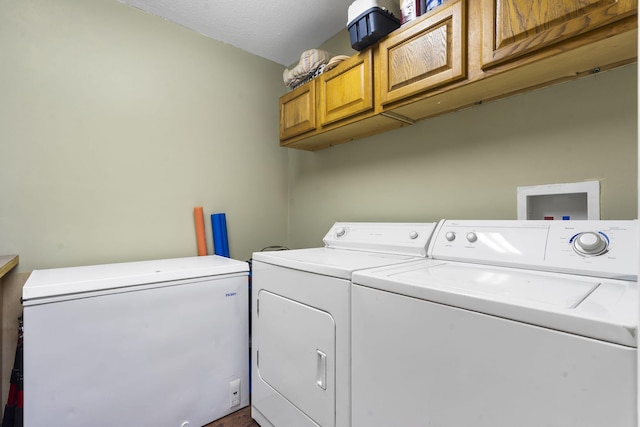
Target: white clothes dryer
x,y
301,339
512,323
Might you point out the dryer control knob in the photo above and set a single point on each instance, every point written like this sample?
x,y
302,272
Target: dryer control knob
x,y
450,236
341,231
413,235
472,237
590,243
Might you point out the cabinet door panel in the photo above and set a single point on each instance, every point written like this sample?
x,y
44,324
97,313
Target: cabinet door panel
x,y
426,55
297,111
347,90
512,28
297,355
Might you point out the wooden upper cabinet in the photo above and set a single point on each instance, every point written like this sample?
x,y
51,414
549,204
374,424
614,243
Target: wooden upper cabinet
x,y
346,90
512,28
298,111
457,55
430,52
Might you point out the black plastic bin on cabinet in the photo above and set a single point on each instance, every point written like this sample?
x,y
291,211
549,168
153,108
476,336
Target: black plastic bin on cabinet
x,y
370,26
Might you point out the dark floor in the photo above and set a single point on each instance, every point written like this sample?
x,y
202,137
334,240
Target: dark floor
x,y
241,418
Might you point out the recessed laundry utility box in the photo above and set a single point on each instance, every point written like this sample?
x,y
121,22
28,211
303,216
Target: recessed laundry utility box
x,y
579,200
152,343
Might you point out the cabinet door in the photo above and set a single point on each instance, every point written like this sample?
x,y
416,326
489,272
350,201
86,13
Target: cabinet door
x,y
429,53
347,90
296,355
512,28
297,111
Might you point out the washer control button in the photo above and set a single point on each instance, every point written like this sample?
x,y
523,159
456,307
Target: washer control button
x,y
472,237
341,231
450,236
590,243
413,235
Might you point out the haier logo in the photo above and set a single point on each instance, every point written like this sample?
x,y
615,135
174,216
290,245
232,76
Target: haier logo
x,y
230,294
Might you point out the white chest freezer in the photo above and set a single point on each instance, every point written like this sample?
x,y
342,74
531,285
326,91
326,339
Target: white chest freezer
x,y
152,343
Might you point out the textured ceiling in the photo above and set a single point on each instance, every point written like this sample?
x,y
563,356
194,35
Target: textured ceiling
x,y
279,30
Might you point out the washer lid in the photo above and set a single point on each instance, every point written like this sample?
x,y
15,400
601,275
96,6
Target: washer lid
x,y
588,306
79,280
340,263
506,285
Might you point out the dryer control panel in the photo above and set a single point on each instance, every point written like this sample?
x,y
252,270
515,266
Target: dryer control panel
x,y
393,238
593,248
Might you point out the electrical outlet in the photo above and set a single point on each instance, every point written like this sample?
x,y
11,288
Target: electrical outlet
x,y
234,393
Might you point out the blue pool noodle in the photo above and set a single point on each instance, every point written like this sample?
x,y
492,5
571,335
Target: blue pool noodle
x,y
220,240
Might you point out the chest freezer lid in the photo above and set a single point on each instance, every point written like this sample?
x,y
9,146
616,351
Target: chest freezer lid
x,y
78,280
587,306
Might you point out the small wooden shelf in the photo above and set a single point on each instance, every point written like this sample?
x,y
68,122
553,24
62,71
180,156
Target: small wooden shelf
x,y
7,262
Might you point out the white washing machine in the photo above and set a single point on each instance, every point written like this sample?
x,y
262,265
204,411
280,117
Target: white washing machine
x,y
150,343
513,323
301,363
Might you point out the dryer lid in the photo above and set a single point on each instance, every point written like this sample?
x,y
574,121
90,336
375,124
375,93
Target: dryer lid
x,y
352,246
332,262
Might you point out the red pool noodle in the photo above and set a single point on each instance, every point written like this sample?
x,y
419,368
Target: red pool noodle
x,y
201,240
